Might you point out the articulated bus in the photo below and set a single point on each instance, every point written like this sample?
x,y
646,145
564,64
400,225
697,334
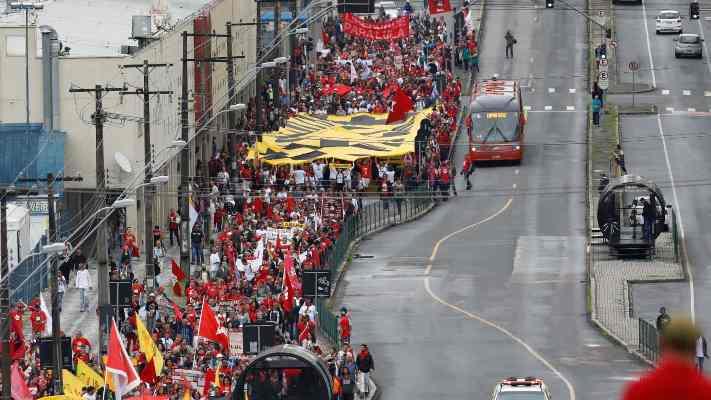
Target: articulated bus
x,y
498,121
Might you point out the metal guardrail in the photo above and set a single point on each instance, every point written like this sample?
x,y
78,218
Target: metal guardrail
x,y
648,340
376,215
30,276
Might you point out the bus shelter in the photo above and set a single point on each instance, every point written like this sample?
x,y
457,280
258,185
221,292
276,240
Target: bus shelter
x,y
620,216
286,369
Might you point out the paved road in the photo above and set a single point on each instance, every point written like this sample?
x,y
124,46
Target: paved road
x,y
522,270
682,84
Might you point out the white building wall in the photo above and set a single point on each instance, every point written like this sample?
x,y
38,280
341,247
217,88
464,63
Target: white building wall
x,y
124,136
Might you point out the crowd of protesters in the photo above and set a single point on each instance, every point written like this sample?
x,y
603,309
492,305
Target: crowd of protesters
x,y
252,216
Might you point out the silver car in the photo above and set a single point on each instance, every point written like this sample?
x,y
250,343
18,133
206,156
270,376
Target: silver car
x,y
688,45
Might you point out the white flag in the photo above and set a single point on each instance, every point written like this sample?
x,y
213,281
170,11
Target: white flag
x,y
354,74
48,322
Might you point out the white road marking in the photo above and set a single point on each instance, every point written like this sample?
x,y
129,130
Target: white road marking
x,y
570,108
593,345
649,45
514,186
516,172
624,378
526,108
707,93
691,109
557,111
506,332
681,220
548,108
665,92
531,60
686,92
551,90
670,109
571,91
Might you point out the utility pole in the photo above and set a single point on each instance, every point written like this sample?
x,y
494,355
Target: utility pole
x,y
102,251
56,317
230,87
258,84
145,69
184,188
5,357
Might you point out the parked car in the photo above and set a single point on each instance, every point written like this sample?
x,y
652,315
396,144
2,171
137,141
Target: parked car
x,y
638,2
688,45
669,21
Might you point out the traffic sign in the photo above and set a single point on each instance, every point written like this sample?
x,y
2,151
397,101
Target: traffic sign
x,y
603,62
603,81
634,65
601,13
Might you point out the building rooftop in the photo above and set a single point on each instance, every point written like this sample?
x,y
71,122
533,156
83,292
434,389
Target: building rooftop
x,y
100,27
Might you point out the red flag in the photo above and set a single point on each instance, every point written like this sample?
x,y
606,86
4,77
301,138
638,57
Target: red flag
x,y
439,6
17,339
209,327
325,38
119,366
176,310
177,289
148,373
403,104
209,380
19,388
177,271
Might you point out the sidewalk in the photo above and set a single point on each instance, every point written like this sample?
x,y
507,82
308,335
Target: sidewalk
x,y
88,322
610,296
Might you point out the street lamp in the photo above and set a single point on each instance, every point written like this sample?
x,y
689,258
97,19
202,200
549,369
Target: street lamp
x,y
238,107
26,6
53,248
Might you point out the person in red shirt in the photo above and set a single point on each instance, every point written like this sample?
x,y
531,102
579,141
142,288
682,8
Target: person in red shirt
x,y
344,326
80,341
37,319
676,376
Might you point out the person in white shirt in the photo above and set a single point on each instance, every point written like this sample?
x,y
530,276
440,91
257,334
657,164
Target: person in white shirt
x,y
299,178
318,170
308,309
214,263
701,353
83,283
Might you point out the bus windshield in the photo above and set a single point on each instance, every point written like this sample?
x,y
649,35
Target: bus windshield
x,y
493,127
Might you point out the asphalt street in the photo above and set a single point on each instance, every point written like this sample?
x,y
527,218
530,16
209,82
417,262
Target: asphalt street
x,y
520,270
672,148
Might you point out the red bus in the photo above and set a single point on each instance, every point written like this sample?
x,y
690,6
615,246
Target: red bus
x,y
498,121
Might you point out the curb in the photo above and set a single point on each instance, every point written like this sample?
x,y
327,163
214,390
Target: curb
x,y
638,91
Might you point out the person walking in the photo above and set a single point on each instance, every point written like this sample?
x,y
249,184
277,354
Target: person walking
x,y
82,282
619,157
663,319
510,42
453,174
676,375
174,227
701,352
467,170
364,363
649,217
596,108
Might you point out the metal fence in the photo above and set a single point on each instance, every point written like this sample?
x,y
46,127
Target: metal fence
x,y
377,214
30,276
648,340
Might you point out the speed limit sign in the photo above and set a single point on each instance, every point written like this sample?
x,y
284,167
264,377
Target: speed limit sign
x,y
603,81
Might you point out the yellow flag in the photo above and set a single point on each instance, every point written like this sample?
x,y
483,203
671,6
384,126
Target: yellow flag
x,y
72,384
217,376
148,346
108,378
60,397
88,376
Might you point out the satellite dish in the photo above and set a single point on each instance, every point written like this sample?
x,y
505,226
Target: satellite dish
x,y
123,162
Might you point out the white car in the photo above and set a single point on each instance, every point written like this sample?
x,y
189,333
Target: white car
x,y
521,389
669,21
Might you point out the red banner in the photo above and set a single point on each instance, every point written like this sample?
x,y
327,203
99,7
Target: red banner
x,y
391,30
439,6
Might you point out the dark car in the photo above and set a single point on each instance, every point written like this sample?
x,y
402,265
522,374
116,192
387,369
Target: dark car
x,y
688,45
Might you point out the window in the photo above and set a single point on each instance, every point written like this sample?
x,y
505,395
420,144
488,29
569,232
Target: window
x,y
688,39
495,127
521,396
669,15
15,46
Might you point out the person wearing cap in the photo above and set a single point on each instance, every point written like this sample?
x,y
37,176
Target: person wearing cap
x,y
676,375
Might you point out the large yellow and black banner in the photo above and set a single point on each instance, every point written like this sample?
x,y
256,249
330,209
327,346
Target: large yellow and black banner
x,y
343,138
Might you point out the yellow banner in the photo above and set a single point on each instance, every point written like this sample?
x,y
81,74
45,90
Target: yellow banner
x,y
72,385
60,397
338,139
88,376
